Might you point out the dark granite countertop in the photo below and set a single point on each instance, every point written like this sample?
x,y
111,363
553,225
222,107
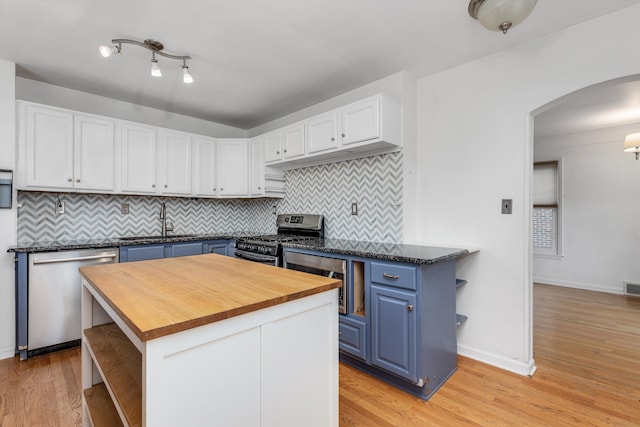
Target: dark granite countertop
x,y
115,242
395,252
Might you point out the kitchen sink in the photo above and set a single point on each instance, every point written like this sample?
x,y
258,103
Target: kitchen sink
x,y
172,236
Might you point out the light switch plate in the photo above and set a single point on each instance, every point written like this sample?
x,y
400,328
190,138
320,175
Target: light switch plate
x,y
507,206
124,208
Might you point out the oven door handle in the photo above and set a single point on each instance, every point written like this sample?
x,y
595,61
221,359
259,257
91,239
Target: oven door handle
x,y
251,256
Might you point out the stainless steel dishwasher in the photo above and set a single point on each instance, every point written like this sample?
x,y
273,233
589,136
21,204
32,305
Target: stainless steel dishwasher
x,y
55,289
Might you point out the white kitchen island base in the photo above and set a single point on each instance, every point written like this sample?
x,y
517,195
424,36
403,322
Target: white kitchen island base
x,y
274,367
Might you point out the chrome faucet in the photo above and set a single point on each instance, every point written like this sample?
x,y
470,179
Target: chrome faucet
x,y
166,225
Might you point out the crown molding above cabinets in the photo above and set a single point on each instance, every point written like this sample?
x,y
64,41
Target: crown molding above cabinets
x,y
69,151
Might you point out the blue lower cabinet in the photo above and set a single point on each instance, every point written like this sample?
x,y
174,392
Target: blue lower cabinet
x,y
353,337
393,331
220,249
171,250
185,249
141,253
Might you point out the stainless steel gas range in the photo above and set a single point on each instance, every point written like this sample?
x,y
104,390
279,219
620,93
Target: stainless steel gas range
x,y
267,249
296,228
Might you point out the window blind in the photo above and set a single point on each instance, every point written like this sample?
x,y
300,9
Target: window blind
x,y
545,184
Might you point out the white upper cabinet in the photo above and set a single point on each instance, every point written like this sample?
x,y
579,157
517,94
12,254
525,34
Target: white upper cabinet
x,y
322,132
48,147
61,150
283,144
205,168
94,153
257,167
64,150
175,163
293,141
272,146
363,128
361,121
233,167
138,159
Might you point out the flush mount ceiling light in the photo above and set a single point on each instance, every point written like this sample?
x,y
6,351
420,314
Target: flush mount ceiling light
x,y
632,144
156,49
500,15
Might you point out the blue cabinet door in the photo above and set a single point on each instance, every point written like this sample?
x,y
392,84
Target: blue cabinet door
x,y
142,253
353,337
185,249
220,249
393,331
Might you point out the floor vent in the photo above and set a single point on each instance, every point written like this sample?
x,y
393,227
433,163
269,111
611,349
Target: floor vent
x,y
632,288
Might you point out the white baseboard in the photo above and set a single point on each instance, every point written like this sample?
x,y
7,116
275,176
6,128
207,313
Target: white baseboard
x,y
579,285
515,366
6,353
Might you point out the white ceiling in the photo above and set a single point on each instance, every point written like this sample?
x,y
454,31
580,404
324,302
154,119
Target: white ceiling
x,y
256,60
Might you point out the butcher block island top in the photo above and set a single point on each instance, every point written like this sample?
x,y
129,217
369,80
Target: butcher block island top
x,y
161,297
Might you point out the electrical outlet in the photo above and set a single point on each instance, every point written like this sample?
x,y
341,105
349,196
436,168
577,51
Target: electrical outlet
x,y
59,208
124,208
354,208
507,206
274,209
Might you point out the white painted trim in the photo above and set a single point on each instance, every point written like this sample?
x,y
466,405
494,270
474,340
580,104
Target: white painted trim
x,y
579,285
511,365
7,352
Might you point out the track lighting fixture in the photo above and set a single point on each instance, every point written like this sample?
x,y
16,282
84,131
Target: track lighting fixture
x,y
156,48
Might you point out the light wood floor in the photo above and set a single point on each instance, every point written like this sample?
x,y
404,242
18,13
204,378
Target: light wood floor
x,y
587,350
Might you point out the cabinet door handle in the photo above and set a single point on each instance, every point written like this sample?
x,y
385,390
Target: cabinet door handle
x,y
77,179
285,150
259,188
153,186
221,189
214,188
277,152
165,186
69,180
333,139
410,307
390,276
344,136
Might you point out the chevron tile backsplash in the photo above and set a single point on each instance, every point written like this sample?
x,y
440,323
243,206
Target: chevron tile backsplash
x,y
375,183
96,216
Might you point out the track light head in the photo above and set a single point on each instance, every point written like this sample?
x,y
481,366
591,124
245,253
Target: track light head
x,y
107,51
186,75
155,68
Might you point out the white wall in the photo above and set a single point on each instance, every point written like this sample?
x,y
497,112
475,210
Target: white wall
x,y
8,217
43,93
475,148
600,211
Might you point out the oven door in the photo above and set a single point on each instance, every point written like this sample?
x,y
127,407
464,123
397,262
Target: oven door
x,y
262,258
334,268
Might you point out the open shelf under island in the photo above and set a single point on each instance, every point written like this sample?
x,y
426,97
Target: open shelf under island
x,y
208,340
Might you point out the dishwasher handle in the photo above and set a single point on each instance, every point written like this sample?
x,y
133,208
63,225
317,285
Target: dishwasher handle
x,y
81,258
